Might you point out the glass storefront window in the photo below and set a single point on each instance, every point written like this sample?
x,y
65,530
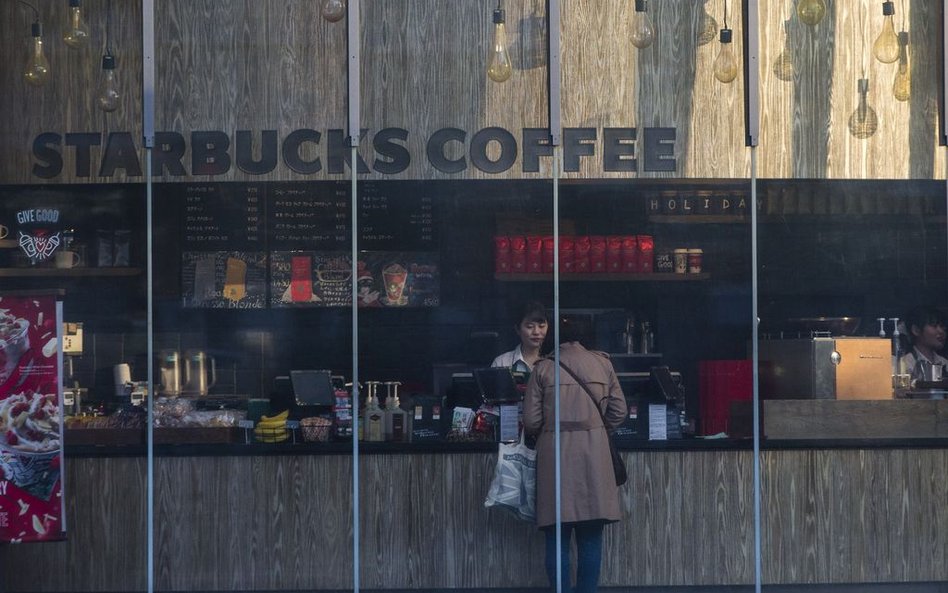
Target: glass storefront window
x,y
468,237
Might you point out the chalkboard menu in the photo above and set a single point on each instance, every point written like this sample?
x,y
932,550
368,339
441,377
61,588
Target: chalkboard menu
x,y
223,216
224,279
324,279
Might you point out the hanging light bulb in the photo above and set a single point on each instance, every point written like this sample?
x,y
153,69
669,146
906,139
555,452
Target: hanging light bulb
x,y
37,67
76,33
643,31
902,87
334,10
863,121
811,11
108,97
783,65
886,46
499,68
725,65
707,27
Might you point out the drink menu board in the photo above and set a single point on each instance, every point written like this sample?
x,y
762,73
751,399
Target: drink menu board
x,y
308,216
235,235
396,216
223,216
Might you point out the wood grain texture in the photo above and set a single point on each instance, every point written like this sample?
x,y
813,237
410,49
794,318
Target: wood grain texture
x,y
283,523
280,66
838,516
105,521
836,419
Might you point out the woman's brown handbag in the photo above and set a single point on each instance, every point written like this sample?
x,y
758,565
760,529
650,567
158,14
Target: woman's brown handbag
x,y
618,466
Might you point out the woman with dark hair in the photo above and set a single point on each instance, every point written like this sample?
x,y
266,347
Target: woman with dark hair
x,y
590,496
530,324
925,328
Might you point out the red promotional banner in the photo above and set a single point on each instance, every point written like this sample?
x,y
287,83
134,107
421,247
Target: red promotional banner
x,y
31,501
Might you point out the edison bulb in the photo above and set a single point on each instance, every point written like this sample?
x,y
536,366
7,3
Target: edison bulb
x,y
811,11
902,86
863,121
886,46
643,31
499,68
76,33
783,65
707,27
108,97
725,65
334,10
37,67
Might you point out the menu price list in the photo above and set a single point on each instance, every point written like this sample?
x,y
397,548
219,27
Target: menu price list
x,y
396,215
223,216
308,216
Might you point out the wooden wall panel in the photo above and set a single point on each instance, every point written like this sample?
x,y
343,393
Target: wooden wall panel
x,y
283,523
67,102
841,516
279,65
105,521
804,131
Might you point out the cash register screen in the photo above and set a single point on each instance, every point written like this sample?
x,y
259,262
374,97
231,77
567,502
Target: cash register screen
x,y
312,388
497,384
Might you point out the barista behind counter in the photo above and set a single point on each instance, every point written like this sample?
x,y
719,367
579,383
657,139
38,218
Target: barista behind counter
x,y
530,323
925,330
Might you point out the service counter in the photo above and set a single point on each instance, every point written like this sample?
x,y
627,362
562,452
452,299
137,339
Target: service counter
x,y
277,517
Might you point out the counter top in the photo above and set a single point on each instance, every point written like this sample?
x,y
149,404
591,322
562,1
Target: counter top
x,y
455,448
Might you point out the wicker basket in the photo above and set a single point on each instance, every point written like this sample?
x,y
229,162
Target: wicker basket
x,y
315,429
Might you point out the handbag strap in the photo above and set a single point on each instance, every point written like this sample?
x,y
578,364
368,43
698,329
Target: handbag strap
x,y
587,390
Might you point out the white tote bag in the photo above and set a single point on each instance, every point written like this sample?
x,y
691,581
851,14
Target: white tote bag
x,y
514,487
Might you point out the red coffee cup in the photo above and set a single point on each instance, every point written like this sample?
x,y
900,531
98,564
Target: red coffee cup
x,y
581,255
597,254
646,253
567,254
501,255
518,255
548,254
613,254
534,254
629,254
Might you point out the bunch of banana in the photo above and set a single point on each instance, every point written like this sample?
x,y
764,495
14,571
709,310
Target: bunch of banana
x,y
272,429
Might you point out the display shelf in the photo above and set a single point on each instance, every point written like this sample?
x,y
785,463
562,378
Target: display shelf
x,y
8,244
603,277
67,272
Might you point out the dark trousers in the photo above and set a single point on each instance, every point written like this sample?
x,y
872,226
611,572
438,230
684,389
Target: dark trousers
x,y
589,555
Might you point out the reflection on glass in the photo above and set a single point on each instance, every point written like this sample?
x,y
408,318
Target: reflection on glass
x,y
863,121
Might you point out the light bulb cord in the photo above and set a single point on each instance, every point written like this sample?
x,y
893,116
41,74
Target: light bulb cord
x,y
725,14
108,28
36,14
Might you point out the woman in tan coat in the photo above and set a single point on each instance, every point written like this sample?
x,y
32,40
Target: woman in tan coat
x,y
590,497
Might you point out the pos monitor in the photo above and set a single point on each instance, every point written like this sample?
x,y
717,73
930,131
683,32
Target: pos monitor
x,y
497,384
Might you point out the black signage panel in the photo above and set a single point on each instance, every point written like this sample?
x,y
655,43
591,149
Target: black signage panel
x,y
223,216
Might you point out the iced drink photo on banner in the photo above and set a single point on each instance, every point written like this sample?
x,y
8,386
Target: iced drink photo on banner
x,y
235,279
395,275
301,282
